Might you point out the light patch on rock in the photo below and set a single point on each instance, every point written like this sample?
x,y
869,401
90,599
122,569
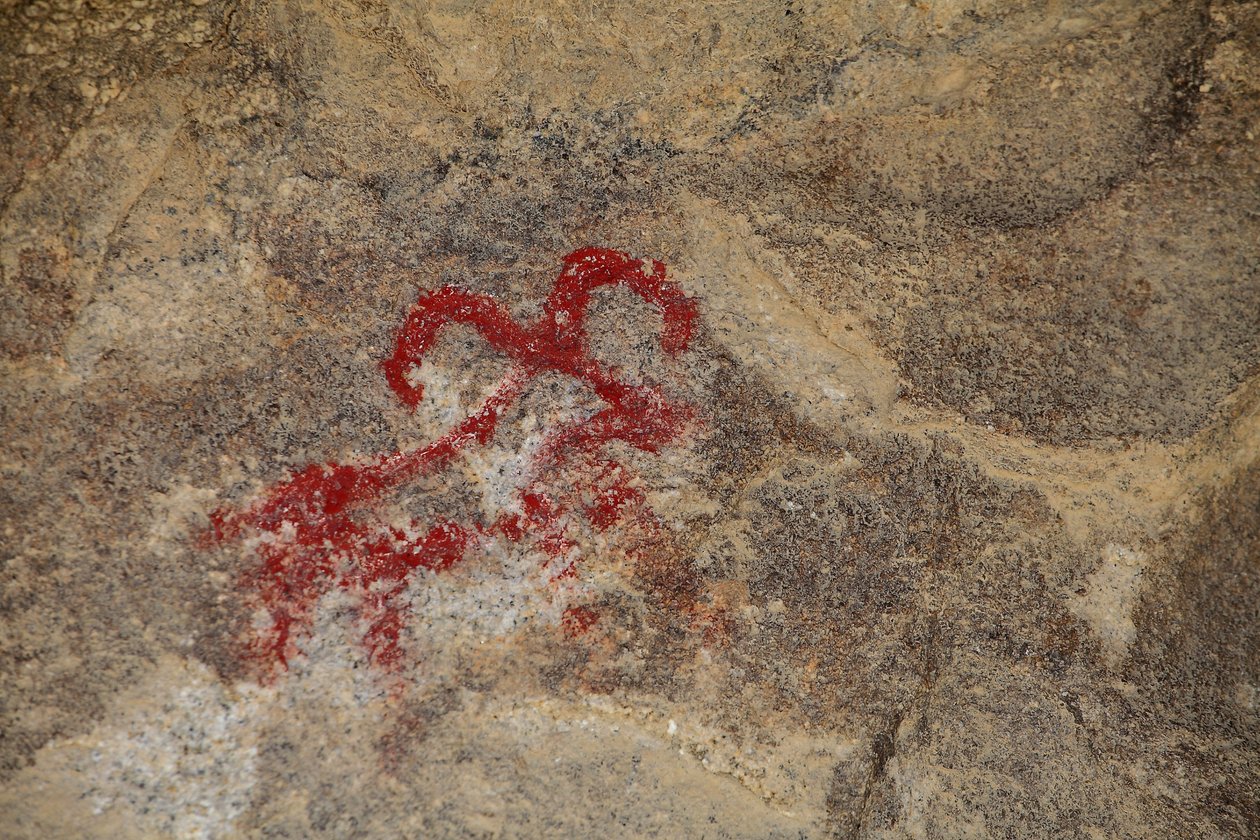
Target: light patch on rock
x,y
175,508
177,757
443,405
928,805
501,470
787,776
755,311
184,767
493,596
474,610
1111,592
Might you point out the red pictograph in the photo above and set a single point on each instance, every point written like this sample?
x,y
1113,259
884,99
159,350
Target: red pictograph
x,y
318,527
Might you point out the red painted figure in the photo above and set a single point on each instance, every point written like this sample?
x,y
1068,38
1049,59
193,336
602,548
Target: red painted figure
x,y
317,528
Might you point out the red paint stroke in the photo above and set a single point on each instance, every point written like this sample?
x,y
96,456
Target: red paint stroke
x,y
316,532
578,620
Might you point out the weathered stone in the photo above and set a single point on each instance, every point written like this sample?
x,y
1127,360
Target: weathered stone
x,y
915,494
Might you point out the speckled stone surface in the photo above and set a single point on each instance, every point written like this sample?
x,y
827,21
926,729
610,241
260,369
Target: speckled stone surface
x,y
938,518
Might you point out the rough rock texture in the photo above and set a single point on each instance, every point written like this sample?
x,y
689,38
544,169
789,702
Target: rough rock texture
x,y
957,533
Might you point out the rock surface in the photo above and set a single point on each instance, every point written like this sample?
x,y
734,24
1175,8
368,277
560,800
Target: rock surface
x,y
942,519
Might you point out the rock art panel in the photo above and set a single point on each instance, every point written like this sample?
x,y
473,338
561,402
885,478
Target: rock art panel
x,y
365,472
317,529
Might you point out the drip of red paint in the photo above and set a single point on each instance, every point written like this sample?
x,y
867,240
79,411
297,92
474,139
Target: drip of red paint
x,y
316,528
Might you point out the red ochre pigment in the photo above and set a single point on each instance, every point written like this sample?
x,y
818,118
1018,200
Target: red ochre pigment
x,y
316,527
577,620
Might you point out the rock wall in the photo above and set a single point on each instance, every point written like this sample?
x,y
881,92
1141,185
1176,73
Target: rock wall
x,y
884,461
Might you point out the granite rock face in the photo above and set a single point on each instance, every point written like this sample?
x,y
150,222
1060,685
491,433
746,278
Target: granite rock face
x,y
915,493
